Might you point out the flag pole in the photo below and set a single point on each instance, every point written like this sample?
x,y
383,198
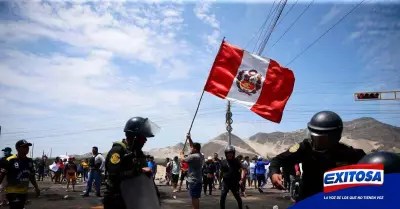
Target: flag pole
x,y
201,97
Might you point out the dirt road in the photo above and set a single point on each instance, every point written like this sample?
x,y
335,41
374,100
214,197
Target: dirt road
x,y
54,196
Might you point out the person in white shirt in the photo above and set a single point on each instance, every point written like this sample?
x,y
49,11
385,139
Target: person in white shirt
x,y
96,165
176,168
253,177
266,172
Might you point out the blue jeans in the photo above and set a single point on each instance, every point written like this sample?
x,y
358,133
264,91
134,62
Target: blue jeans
x,y
85,174
96,176
195,190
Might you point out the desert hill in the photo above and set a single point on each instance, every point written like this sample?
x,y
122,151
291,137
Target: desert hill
x,y
364,133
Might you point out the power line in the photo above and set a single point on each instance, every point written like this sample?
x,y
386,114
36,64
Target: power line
x,y
340,20
271,29
290,9
263,27
298,18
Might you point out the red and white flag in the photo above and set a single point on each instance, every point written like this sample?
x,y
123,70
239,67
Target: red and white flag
x,y
258,83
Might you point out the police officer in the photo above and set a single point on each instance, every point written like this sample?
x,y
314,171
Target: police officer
x,y
126,159
232,178
390,161
321,151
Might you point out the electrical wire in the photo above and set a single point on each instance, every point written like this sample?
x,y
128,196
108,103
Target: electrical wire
x,y
327,31
297,19
262,28
271,28
283,17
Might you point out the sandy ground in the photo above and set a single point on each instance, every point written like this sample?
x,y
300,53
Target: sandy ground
x,y
54,196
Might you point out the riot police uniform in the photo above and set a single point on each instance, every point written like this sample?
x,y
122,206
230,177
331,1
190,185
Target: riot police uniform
x,y
231,175
318,153
125,160
390,161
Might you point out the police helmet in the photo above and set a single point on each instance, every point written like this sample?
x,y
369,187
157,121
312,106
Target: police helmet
x,y
390,161
324,130
141,127
231,149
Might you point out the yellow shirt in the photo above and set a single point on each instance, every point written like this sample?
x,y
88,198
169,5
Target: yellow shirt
x,y
84,165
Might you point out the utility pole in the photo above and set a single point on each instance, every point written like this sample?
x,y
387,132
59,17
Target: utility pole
x,y
229,122
376,95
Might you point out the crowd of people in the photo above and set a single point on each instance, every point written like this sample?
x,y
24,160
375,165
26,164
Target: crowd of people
x,y
319,152
256,174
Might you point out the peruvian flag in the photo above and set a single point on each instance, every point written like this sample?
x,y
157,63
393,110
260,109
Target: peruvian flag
x,y
258,83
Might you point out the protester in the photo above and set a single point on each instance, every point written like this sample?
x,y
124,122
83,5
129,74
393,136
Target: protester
x,y
176,168
266,171
209,171
245,168
58,172
153,165
3,164
62,167
168,168
85,167
260,173
42,165
253,177
70,172
96,164
195,161
18,177
184,172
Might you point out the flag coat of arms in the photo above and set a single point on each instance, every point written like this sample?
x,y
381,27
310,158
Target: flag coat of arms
x,y
258,83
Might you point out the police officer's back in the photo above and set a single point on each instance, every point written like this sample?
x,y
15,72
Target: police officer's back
x,y
126,160
320,152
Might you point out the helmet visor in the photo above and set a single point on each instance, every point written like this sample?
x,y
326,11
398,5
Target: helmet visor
x,y
320,142
149,128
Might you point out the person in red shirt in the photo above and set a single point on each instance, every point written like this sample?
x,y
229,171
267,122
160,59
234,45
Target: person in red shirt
x,y
184,171
59,171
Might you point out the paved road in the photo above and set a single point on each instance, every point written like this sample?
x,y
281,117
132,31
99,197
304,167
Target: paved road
x,y
54,196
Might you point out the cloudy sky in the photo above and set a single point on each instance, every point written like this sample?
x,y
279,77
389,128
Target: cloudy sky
x,y
72,74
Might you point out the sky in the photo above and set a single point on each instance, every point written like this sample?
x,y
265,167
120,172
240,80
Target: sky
x,y
72,73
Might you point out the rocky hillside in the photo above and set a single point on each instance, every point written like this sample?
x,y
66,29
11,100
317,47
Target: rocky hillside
x,y
364,133
218,144
165,152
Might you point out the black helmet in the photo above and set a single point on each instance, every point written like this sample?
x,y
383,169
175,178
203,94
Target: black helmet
x,y
141,127
390,161
230,148
325,129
